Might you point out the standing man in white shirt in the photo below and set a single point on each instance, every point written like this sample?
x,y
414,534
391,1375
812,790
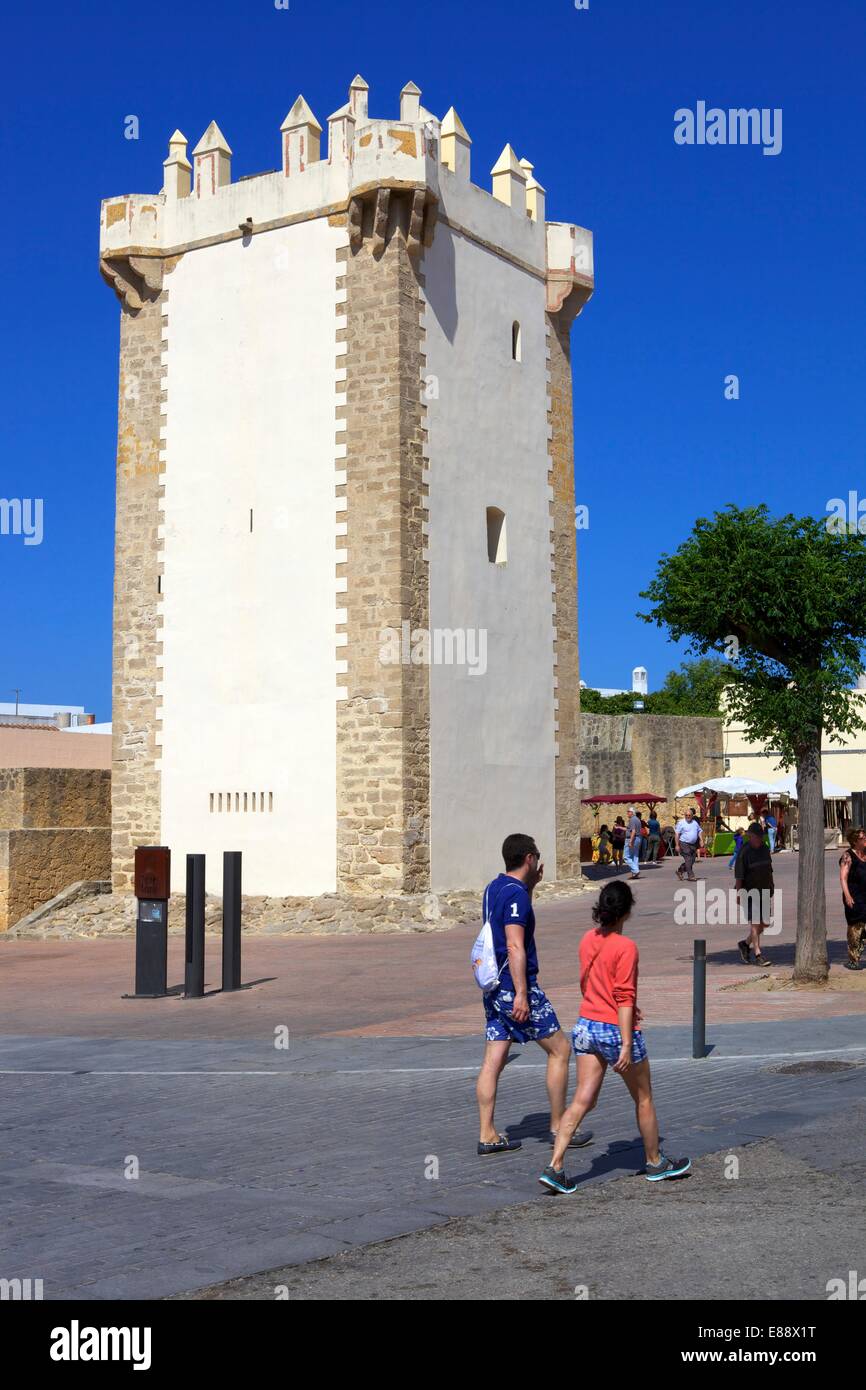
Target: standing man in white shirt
x,y
688,841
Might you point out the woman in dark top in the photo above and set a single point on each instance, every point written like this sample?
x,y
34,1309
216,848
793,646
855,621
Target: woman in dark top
x,y
852,877
617,841
753,871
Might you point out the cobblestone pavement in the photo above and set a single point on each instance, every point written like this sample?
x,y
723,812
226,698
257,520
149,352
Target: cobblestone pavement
x,y
725,1232
252,1158
249,1159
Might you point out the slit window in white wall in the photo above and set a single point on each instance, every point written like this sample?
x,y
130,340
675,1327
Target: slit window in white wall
x,y
252,801
497,540
516,342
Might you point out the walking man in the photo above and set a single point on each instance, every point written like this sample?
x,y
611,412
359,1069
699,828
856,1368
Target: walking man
x,y
633,834
517,1009
687,833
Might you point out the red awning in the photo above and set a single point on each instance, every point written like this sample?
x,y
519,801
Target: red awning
x,y
649,797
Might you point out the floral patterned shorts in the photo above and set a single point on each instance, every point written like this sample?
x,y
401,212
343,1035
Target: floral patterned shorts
x,y
501,1027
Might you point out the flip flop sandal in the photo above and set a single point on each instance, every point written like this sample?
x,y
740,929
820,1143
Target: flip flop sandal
x,y
502,1145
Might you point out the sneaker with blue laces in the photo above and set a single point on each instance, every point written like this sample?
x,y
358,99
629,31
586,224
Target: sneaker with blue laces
x,y
667,1168
556,1180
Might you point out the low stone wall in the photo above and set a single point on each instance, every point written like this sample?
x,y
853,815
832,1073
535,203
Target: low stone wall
x,y
54,829
646,752
36,864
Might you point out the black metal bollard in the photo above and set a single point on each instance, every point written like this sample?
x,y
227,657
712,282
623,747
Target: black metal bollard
x,y
193,987
231,919
152,890
699,1000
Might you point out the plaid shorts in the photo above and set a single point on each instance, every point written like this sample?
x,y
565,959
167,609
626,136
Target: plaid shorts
x,y
605,1040
501,1027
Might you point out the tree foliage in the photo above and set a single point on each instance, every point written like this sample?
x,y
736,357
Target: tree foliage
x,y
695,689
784,600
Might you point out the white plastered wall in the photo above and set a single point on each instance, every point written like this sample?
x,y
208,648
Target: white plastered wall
x,y
492,735
248,688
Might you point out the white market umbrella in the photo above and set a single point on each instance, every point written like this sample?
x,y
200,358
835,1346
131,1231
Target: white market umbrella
x,y
730,786
831,791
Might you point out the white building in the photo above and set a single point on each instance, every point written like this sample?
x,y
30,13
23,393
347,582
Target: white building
x,y
638,685
344,421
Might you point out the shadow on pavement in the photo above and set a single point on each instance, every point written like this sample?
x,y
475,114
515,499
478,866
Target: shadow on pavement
x,y
781,953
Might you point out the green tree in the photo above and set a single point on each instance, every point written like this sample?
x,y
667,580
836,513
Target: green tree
x,y
785,601
592,702
695,689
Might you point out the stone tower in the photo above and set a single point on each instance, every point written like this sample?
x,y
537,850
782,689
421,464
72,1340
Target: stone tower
x,y
345,615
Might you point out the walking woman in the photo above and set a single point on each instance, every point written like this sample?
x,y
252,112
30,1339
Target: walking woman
x,y
852,877
605,1035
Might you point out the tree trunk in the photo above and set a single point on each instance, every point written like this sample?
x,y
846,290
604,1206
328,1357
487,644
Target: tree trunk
x,y
810,958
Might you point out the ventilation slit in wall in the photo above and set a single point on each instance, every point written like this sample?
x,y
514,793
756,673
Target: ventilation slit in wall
x,y
252,801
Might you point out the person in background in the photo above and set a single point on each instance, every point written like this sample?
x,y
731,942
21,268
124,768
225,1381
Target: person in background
x,y
754,870
617,841
852,879
604,845
770,823
644,836
688,840
633,831
739,836
607,1033
654,835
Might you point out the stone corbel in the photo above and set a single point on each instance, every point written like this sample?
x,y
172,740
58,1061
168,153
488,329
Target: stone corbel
x,y
416,222
567,293
415,210
356,223
380,220
134,279
430,220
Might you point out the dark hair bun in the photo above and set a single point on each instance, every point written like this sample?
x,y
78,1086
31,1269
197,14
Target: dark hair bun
x,y
615,901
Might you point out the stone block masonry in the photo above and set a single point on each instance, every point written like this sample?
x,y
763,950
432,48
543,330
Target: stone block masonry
x,y
564,576
45,797
54,829
646,753
383,764
137,645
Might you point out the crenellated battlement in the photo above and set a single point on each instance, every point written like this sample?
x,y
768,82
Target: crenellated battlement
x,y
412,156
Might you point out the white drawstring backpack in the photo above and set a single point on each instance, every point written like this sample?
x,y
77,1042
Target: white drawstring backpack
x,y
483,957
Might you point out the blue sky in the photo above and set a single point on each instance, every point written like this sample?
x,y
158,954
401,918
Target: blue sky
x,y
709,260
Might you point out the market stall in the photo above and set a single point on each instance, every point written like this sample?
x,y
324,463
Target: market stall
x,y
648,799
837,807
714,797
